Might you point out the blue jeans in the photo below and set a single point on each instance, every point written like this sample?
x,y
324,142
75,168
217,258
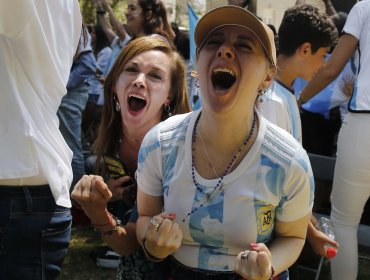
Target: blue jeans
x,y
34,233
70,120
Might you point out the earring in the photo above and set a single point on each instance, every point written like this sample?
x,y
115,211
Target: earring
x,y
262,91
118,106
167,109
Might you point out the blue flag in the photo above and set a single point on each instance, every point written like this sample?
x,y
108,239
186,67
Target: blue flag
x,y
193,19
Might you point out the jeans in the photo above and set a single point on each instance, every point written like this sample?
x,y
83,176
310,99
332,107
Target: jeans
x,y
70,118
34,233
179,271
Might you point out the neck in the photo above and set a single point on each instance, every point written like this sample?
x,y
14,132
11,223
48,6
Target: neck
x,y
224,131
287,70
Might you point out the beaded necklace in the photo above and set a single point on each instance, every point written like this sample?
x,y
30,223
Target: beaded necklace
x,y
219,186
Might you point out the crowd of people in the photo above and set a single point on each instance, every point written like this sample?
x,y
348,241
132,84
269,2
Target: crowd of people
x,y
224,191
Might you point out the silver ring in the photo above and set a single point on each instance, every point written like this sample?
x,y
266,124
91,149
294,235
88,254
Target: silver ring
x,y
155,223
245,255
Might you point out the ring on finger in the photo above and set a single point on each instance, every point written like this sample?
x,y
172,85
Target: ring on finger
x,y
155,223
245,254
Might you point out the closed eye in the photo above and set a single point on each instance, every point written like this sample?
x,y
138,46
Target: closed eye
x,y
156,76
131,69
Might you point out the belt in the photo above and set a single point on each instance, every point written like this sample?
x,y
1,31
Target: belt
x,y
178,269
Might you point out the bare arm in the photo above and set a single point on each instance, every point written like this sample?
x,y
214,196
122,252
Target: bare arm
x,y
103,21
117,25
329,8
160,241
93,195
343,51
287,245
300,2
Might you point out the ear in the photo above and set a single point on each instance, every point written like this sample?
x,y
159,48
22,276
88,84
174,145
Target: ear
x,y
269,78
305,49
168,100
148,15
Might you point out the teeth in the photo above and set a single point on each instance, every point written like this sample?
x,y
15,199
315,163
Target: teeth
x,y
226,70
137,96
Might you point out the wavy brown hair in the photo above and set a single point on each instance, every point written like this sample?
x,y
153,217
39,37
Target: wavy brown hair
x,y
110,127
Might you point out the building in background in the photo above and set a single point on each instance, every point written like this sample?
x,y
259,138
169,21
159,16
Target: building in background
x,y
270,11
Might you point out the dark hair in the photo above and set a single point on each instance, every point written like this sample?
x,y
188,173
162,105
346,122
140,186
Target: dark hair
x,y
305,23
101,40
158,21
272,27
182,44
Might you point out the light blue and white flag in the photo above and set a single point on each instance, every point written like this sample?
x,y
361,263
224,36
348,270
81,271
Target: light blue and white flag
x,y
193,19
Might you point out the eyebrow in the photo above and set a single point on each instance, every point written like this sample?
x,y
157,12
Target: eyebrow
x,y
240,37
153,67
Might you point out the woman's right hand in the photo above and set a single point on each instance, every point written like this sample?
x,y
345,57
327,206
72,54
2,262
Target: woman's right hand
x,y
92,194
163,236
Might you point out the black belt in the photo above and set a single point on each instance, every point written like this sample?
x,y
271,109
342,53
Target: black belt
x,y
18,191
180,271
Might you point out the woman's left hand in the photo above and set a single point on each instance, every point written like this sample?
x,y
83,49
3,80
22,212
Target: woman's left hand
x,y
254,263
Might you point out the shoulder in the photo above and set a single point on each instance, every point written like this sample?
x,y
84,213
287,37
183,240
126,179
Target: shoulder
x,y
165,132
280,146
277,93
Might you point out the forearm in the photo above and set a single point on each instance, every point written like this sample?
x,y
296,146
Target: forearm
x,y
329,8
117,25
321,80
106,28
124,240
141,227
284,252
121,239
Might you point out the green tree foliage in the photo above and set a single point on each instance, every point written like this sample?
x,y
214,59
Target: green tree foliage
x,y
89,13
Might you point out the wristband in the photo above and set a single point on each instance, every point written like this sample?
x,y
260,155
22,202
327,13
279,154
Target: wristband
x,y
149,256
117,223
109,223
101,12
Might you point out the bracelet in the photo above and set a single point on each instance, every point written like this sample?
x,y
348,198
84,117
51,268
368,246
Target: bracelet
x,y
148,255
112,218
101,12
109,223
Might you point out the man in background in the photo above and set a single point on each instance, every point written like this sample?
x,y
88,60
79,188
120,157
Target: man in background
x,y
38,39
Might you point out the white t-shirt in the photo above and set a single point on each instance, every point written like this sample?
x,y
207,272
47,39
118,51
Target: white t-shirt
x,y
279,106
273,181
38,39
358,25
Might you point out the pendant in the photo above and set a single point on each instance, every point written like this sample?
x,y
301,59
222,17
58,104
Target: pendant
x,y
208,196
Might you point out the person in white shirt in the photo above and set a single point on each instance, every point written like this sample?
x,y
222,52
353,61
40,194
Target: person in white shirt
x,y
222,192
351,188
38,39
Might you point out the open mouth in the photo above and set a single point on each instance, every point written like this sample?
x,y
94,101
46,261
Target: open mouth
x,y
136,103
223,78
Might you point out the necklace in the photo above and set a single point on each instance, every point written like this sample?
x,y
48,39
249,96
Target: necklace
x,y
131,140
207,155
219,186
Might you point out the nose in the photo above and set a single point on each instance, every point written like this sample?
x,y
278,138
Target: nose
x,y
139,81
225,52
